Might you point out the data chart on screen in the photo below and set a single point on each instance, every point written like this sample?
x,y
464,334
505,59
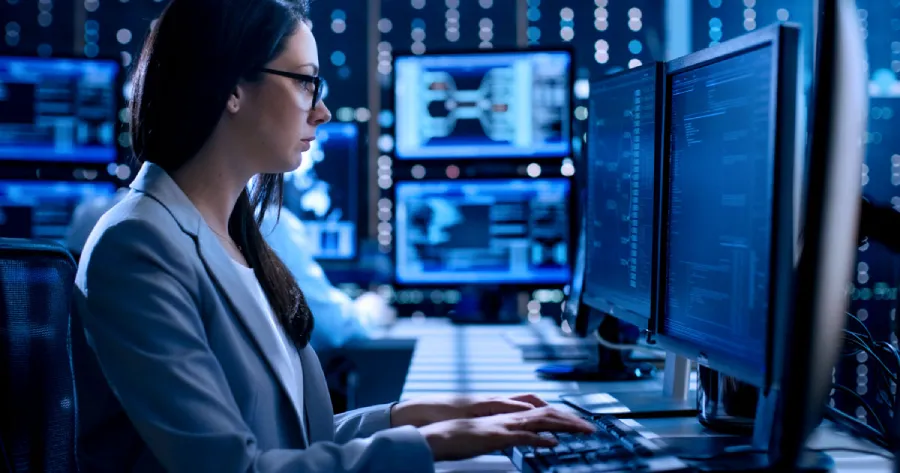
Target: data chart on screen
x,y
324,191
483,231
43,209
486,105
58,110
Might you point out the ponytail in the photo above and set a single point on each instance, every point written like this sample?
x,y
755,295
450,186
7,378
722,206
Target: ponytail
x,y
285,296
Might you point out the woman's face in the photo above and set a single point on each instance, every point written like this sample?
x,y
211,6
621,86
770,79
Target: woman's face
x,y
277,117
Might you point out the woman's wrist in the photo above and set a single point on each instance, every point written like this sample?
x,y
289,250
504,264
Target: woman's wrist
x,y
407,413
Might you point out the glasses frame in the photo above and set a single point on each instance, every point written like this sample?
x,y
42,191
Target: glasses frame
x,y
320,90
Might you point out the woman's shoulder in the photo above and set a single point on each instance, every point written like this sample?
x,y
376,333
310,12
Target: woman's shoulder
x,y
136,227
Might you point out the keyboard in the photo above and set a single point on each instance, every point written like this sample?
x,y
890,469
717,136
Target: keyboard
x,y
613,447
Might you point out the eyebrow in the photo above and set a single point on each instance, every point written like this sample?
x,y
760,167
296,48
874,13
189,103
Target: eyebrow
x,y
315,67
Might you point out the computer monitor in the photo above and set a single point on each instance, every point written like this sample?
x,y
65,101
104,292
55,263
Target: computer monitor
x,y
474,232
325,191
622,206
43,209
727,249
59,110
512,104
812,338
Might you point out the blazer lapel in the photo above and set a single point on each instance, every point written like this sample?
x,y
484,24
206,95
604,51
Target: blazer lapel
x,y
220,266
319,421
155,182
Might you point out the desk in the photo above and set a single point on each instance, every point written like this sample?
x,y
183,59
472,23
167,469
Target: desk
x,y
480,360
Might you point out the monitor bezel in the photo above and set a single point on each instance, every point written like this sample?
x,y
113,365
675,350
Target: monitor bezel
x,y
595,314
24,168
784,41
361,193
572,210
391,100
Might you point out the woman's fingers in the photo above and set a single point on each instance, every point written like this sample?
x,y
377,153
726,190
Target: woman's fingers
x,y
549,422
530,399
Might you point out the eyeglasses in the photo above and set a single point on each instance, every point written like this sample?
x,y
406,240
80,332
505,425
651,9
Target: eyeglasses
x,y
317,84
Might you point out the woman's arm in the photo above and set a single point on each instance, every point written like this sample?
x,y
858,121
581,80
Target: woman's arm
x,y
134,297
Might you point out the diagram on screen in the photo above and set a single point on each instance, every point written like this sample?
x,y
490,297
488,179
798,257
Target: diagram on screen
x,y
497,105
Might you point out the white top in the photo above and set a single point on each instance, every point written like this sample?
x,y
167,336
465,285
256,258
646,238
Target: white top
x,y
290,359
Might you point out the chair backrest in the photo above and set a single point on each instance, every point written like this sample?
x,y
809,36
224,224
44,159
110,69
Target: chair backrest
x,y
37,415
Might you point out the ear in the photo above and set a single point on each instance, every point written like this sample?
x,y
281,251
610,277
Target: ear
x,y
234,100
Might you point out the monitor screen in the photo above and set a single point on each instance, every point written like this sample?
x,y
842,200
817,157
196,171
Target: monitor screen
x,y
486,231
43,209
621,164
58,109
721,183
484,105
575,288
324,191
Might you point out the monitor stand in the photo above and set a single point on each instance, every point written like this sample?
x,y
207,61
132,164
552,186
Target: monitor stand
x,y
676,400
608,365
755,457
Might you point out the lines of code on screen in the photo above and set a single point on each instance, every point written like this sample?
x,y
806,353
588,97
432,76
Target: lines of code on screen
x,y
58,109
720,206
621,155
486,231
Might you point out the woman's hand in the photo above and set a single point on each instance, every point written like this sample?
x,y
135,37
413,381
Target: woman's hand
x,y
465,438
421,412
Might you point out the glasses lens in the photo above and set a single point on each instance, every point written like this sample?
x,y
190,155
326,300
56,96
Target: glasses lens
x,y
323,90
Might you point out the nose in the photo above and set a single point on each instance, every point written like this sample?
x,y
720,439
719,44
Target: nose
x,y
321,114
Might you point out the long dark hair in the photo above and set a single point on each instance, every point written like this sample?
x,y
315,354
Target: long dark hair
x,y
192,60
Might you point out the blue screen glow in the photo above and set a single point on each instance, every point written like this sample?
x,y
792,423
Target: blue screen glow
x,y
720,212
43,209
58,109
324,191
484,105
621,194
491,231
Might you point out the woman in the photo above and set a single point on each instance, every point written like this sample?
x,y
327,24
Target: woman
x,y
197,355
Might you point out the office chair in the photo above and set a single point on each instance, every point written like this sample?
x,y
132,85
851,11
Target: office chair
x,y
37,420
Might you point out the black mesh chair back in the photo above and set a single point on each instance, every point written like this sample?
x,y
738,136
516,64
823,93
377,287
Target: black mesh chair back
x,y
37,415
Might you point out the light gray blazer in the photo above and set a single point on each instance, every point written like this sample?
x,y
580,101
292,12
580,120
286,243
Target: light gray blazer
x,y
177,371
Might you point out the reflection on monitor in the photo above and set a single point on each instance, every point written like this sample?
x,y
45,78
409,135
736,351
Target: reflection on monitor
x,y
720,207
483,105
621,167
324,191
486,231
58,109
43,209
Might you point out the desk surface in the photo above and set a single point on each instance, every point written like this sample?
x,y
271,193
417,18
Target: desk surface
x,y
483,360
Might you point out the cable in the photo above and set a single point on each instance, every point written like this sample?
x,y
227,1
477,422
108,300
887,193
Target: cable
x,y
846,422
621,346
864,451
863,403
742,450
861,324
861,342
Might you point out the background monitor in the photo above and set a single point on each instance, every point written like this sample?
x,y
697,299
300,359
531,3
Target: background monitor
x,y
43,209
54,109
325,191
483,105
483,231
622,184
727,253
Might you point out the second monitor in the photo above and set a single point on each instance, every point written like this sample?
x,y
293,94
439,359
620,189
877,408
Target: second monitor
x,y
483,232
325,193
511,104
622,167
